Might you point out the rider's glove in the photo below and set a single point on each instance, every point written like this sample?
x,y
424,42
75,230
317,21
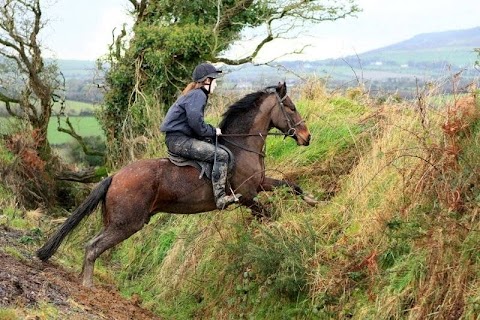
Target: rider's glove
x,y
218,131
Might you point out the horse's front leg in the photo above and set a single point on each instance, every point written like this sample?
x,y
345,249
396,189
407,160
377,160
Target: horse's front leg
x,y
269,184
259,211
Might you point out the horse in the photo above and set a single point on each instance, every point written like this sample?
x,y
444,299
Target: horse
x,y
145,187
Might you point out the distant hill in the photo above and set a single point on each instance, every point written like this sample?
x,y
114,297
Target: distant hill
x,y
469,38
428,51
425,56
77,69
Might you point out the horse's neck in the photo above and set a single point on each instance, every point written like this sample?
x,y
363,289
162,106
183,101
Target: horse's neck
x,y
251,139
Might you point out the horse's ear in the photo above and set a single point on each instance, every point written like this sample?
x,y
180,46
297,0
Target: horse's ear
x,y
282,88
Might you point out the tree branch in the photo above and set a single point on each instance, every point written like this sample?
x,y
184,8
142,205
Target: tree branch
x,y
11,112
85,176
5,98
226,19
139,9
71,131
250,58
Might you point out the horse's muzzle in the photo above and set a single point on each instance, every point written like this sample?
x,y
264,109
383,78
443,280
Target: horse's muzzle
x,y
303,138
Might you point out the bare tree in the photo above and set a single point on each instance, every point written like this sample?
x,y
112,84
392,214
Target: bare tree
x,y
28,90
27,84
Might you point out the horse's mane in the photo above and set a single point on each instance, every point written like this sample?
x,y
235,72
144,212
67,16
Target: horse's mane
x,y
243,106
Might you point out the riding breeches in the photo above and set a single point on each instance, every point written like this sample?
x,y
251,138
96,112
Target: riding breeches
x,y
195,149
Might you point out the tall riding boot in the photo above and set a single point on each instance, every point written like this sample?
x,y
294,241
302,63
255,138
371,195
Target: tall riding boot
x,y
219,179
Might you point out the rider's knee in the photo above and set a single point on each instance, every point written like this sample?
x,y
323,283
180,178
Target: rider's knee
x,y
222,155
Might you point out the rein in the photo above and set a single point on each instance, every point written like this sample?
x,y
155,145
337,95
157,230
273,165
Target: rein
x,y
261,154
253,134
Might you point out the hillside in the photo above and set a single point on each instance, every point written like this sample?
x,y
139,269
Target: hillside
x,y
455,47
33,290
468,38
395,235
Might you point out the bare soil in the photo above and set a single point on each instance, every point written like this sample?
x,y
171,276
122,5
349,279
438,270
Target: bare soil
x,y
26,282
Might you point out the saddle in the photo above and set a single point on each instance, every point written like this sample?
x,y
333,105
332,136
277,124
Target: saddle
x,y
205,168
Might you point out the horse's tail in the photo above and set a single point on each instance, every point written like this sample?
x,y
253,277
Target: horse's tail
x,y
87,207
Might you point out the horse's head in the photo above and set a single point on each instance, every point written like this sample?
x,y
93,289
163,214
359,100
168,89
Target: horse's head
x,y
285,116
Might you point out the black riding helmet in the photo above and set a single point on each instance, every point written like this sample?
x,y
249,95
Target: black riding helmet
x,y
204,71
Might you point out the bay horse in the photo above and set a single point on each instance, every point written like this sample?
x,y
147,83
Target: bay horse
x,y
145,187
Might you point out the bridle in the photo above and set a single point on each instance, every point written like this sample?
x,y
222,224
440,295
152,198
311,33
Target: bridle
x,y
291,132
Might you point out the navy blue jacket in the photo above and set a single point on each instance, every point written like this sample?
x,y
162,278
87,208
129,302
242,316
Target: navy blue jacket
x,y
185,116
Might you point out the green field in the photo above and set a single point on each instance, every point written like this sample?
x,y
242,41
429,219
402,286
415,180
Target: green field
x,y
75,108
456,57
84,126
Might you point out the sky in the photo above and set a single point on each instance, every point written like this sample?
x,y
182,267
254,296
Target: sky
x,y
82,30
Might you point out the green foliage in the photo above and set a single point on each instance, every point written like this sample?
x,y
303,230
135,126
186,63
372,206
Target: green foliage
x,y
6,157
277,258
408,273
469,248
93,143
15,218
400,235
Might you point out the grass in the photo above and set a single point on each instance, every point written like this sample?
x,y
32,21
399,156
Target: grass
x,y
6,157
8,314
41,311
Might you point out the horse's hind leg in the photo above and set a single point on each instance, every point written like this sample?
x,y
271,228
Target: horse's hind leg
x,y
111,236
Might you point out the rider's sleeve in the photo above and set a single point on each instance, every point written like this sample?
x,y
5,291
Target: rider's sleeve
x,y
194,108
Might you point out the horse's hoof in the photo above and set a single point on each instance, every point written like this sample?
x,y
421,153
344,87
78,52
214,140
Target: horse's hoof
x,y
310,200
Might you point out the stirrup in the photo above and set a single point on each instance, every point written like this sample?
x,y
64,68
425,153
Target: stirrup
x,y
225,201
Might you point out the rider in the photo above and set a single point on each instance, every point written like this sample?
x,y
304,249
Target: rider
x,y
185,130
